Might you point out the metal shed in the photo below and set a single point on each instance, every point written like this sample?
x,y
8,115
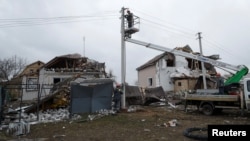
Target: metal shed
x,y
90,95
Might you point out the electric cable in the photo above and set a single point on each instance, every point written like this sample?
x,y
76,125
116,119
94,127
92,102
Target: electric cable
x,y
4,23
182,32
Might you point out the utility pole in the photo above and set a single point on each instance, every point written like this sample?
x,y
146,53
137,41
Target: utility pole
x,y
123,59
202,63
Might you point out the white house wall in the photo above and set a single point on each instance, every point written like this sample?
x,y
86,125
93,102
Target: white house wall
x,y
165,80
46,80
163,75
164,72
28,94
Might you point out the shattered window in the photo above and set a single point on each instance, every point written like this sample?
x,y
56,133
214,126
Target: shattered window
x,y
169,60
32,84
56,80
170,63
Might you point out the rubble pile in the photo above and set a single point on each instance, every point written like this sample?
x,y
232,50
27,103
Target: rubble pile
x,y
21,125
100,114
50,115
18,128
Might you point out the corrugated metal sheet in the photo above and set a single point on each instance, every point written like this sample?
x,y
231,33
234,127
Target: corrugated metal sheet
x,y
90,96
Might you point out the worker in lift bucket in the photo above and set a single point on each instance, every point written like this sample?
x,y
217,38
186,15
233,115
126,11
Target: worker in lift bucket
x,y
130,18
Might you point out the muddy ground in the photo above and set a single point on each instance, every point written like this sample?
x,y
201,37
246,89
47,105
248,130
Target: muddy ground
x,y
149,123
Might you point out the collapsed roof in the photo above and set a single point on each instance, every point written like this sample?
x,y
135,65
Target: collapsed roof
x,y
75,63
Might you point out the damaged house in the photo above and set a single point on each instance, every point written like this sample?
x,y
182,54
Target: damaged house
x,y
44,86
26,82
66,66
174,73
30,77
59,69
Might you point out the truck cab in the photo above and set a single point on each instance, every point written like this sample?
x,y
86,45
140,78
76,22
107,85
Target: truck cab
x,y
246,96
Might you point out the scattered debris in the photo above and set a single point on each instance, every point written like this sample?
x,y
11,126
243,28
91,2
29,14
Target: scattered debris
x,y
134,108
147,130
171,123
17,129
172,105
36,139
100,114
58,136
21,126
144,96
160,103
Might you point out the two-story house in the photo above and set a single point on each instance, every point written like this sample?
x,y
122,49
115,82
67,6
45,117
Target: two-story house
x,y
172,72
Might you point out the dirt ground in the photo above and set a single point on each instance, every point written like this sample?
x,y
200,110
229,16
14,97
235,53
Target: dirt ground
x,y
145,124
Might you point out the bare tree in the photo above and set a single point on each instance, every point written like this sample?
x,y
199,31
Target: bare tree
x,y
10,67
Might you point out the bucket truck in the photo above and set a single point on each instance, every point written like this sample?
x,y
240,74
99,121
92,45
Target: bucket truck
x,y
210,100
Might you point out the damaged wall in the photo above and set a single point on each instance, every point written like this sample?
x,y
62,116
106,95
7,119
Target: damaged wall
x,y
31,89
66,66
57,70
164,69
28,81
184,84
153,73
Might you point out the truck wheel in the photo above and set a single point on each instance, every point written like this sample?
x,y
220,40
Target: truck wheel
x,y
207,109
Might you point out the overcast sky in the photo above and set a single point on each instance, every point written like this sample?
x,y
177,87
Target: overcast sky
x,y
43,29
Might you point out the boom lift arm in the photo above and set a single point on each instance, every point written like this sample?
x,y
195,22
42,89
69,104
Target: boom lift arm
x,y
241,69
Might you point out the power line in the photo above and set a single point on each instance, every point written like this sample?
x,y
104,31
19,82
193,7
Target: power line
x,y
169,29
177,29
48,23
175,26
227,51
53,20
180,34
164,25
176,36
